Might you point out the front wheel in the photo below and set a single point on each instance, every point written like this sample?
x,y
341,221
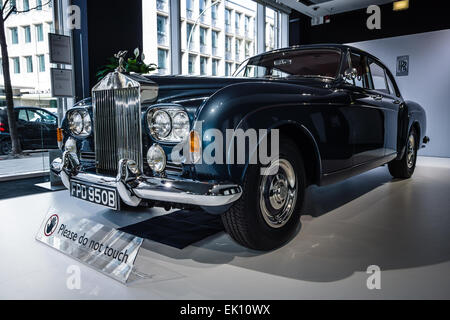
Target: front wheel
x,y
404,168
268,212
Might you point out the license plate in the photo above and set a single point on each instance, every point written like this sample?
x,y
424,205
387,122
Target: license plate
x,y
93,193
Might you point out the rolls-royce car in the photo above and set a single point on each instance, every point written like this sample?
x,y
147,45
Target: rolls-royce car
x,y
327,112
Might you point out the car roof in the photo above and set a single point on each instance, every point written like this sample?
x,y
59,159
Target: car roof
x,y
341,47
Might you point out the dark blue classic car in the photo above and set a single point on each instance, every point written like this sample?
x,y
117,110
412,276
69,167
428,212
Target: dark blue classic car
x,y
320,113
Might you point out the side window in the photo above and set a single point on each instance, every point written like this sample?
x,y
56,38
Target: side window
x,y
47,117
359,63
22,115
391,86
378,77
33,116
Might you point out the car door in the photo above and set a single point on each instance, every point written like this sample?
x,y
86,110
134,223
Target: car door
x,y
367,118
35,126
26,136
387,99
48,129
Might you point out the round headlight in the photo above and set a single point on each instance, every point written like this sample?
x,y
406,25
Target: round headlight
x,y
180,124
160,124
156,158
76,122
87,124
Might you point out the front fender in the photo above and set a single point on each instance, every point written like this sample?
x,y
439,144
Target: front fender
x,y
256,105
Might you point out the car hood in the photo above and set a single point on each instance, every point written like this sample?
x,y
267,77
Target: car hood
x,y
191,91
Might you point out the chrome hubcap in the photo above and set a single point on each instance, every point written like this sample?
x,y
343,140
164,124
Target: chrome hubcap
x,y
278,193
411,152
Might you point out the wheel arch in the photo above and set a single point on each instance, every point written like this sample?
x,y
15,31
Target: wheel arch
x,y
307,146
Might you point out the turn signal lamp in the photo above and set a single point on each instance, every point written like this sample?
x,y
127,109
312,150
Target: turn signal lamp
x,y
59,135
401,5
194,146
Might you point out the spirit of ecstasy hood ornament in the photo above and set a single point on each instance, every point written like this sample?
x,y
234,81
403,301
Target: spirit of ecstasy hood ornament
x,y
121,56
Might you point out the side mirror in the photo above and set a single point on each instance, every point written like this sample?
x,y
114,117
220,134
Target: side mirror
x,y
351,73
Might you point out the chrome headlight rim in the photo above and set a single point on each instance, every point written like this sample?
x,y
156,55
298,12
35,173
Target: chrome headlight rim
x,y
151,124
84,127
173,112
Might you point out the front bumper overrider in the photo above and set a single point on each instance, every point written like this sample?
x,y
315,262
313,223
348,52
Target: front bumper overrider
x,y
133,186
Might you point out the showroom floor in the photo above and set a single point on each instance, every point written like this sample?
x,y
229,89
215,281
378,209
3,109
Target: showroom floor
x,y
401,226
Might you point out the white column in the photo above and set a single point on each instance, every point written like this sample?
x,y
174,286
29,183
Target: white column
x,y
260,28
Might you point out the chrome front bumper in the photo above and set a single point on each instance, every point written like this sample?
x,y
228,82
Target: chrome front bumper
x,y
133,186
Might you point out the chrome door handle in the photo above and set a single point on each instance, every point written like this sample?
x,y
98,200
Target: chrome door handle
x,y
377,97
396,101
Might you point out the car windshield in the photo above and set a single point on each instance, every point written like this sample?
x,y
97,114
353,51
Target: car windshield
x,y
307,63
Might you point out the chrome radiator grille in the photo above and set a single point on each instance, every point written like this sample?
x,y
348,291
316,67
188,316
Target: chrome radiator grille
x,y
117,128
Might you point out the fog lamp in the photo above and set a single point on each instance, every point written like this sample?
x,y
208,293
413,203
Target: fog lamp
x,y
156,158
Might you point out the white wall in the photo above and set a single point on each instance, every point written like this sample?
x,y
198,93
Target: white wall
x,y
428,82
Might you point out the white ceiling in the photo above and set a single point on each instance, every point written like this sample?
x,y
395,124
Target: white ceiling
x,y
329,7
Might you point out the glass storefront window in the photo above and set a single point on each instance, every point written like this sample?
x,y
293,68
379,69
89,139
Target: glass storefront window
x,y
35,108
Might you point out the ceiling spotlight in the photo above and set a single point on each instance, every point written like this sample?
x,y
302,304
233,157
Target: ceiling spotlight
x,y
316,8
401,5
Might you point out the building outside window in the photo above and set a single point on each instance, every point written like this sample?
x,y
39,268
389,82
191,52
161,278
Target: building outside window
x,y
16,65
27,33
214,14
161,5
14,35
161,26
26,5
203,35
41,62
228,69
247,25
237,49
162,61
228,20
191,64
203,65
237,22
227,35
38,4
214,42
29,63
215,67
190,9
189,27
39,32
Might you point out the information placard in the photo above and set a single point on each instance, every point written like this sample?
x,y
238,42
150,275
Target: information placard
x,y
59,48
105,249
62,85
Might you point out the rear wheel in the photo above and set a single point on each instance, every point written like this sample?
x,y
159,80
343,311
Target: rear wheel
x,y
404,168
5,147
268,212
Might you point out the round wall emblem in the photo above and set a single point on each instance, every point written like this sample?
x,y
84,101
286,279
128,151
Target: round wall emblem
x,y
51,225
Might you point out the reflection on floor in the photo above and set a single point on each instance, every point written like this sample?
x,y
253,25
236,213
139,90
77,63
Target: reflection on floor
x,y
20,188
401,226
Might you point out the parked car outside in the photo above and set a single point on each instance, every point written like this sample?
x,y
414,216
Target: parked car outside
x,y
36,127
